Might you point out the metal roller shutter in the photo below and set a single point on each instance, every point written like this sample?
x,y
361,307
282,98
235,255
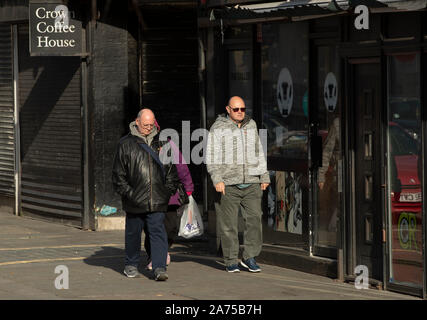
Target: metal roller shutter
x,y
7,142
50,131
170,65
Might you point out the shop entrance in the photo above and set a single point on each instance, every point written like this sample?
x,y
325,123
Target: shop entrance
x,y
364,137
50,135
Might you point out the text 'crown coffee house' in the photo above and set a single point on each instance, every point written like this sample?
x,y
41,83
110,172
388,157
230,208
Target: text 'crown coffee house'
x,y
54,30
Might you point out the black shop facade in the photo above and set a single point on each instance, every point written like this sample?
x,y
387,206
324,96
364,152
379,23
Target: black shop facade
x,y
339,86
42,48
73,76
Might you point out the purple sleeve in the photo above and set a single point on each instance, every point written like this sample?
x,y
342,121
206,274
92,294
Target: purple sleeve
x,y
183,173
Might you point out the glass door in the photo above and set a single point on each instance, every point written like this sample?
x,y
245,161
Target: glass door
x,y
328,189
404,170
284,76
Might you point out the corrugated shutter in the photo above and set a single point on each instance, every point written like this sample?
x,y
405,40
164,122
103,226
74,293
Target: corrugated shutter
x,y
170,61
170,65
7,143
50,131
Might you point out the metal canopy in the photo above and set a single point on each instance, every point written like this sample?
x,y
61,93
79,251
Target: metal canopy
x,y
301,8
409,5
277,9
330,5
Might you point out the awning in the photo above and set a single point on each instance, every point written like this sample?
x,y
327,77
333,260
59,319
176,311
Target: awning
x,y
328,5
409,5
306,8
278,9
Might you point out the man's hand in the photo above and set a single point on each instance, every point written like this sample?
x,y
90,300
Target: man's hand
x,y
264,186
220,187
321,184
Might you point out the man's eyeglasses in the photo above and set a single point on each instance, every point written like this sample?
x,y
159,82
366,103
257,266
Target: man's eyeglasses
x,y
148,126
237,109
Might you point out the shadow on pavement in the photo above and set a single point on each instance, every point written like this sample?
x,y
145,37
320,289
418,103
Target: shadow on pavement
x,y
107,257
113,258
177,257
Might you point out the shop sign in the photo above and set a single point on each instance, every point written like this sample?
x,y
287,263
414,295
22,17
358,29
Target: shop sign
x,y
54,30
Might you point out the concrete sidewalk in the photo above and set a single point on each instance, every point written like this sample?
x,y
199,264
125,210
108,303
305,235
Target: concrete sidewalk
x,y
30,250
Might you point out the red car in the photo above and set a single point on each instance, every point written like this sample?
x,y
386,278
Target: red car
x,y
406,207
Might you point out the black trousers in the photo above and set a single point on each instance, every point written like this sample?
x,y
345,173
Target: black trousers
x,y
171,226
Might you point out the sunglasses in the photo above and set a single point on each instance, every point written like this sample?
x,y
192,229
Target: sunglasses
x,y
237,109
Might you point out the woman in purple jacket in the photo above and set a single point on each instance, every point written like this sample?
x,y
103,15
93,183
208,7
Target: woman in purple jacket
x,y
171,218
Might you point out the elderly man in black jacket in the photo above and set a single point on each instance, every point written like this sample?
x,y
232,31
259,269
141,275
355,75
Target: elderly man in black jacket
x,y
145,185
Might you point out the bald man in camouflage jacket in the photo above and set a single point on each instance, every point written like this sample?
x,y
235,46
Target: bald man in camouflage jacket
x,y
238,168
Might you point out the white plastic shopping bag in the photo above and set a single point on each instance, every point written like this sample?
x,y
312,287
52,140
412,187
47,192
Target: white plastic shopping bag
x,y
191,224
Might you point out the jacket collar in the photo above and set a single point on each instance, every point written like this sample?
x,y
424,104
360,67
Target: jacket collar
x,y
226,117
147,139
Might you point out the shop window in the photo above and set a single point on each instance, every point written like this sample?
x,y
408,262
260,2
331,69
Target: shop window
x,y
285,89
328,206
285,117
404,170
285,205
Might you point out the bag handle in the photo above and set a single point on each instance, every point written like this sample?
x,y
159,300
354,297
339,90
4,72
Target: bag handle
x,y
156,158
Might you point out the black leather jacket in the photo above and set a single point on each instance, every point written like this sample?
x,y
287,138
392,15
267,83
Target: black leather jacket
x,y
138,179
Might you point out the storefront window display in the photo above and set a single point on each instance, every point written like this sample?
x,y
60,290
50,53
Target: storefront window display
x,y
404,170
329,108
285,116
285,89
285,204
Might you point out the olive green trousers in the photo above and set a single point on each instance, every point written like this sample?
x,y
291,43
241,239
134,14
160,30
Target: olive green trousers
x,y
227,209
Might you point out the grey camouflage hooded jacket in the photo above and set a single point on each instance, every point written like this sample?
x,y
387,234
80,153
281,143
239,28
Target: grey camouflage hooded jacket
x,y
235,155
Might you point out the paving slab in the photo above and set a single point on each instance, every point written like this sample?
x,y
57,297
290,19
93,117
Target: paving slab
x,y
31,250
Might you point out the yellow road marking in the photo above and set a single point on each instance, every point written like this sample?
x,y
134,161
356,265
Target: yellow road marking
x,y
63,247
53,259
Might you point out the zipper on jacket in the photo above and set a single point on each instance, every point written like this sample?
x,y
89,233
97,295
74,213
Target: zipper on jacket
x,y
151,189
243,146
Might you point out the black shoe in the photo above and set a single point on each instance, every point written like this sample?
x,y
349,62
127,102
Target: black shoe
x,y
251,265
160,274
233,268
